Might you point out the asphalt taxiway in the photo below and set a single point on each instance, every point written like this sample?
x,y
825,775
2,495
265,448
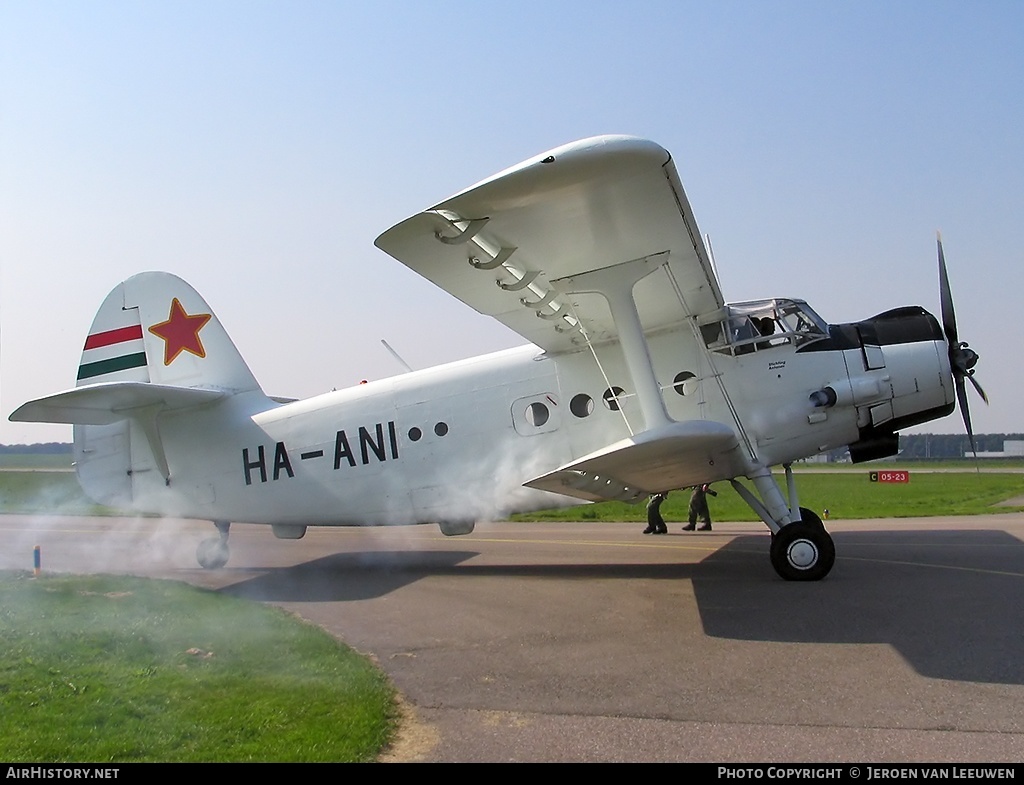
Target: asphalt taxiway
x,y
592,642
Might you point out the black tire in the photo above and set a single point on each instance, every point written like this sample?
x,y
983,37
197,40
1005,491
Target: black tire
x,y
212,553
803,551
811,517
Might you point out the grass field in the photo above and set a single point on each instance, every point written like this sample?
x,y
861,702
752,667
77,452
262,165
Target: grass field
x,y
57,492
99,668
844,492
20,461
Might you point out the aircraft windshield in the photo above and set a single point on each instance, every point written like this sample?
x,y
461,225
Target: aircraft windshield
x,y
741,328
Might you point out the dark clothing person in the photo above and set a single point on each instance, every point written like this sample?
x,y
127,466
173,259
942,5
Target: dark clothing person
x,y
699,508
655,523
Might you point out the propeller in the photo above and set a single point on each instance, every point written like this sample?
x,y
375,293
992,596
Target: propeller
x,y
962,358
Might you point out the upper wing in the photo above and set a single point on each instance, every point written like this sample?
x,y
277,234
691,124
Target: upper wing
x,y
504,245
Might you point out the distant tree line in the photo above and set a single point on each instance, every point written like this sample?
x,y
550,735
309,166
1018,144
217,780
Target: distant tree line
x,y
44,448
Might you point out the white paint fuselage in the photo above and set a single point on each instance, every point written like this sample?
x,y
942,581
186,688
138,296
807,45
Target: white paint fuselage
x,y
457,442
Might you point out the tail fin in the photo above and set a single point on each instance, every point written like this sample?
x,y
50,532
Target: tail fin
x,y
154,346
156,328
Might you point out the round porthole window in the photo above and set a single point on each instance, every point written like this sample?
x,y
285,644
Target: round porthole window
x,y
581,405
611,398
537,414
679,383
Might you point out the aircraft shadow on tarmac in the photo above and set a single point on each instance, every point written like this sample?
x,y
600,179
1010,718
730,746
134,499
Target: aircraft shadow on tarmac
x,y
348,577
947,601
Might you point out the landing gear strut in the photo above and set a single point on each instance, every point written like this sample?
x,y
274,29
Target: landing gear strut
x,y
213,553
801,549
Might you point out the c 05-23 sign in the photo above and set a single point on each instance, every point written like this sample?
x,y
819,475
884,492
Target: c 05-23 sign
x,y
889,476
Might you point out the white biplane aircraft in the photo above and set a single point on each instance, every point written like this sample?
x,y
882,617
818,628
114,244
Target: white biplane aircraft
x,y
639,378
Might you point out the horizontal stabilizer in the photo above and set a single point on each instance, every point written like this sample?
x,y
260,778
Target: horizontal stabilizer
x,y
677,455
107,402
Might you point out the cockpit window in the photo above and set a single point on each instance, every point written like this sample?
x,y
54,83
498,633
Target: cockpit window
x,y
743,328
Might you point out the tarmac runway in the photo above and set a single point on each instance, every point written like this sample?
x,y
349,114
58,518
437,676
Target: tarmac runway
x,y
592,642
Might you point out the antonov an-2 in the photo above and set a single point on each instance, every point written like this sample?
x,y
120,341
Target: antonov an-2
x,y
638,378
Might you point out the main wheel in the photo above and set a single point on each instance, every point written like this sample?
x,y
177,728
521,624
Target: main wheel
x,y
803,551
811,517
212,553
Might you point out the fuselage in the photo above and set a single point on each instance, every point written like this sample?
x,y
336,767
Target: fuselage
x,y
457,442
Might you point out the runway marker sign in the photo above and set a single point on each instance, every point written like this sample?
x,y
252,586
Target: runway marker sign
x,y
889,476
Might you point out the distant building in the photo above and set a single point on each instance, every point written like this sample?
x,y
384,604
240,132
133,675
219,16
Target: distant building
x,y
822,457
1012,448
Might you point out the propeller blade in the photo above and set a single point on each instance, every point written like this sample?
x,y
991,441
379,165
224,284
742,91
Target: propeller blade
x,y
981,392
965,411
962,358
946,298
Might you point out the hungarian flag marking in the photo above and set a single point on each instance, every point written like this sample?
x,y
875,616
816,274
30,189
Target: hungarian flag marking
x,y
122,350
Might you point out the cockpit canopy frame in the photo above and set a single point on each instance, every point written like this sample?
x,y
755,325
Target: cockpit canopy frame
x,y
760,325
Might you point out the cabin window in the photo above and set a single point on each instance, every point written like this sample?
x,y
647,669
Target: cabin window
x,y
537,414
611,398
581,405
679,384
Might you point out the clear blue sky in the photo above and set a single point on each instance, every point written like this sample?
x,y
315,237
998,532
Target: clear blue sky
x,y
257,149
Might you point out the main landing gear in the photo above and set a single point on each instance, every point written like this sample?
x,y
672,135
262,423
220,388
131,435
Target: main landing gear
x,y
213,553
801,549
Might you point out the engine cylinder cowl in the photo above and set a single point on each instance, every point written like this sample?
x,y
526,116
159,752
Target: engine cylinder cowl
x,y
873,446
854,392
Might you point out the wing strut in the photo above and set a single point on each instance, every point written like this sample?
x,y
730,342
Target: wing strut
x,y
600,366
616,284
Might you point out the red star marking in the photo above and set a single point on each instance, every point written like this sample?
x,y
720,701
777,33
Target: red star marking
x,y
181,332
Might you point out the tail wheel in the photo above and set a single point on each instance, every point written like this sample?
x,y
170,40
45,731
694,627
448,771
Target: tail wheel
x,y
803,551
212,553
